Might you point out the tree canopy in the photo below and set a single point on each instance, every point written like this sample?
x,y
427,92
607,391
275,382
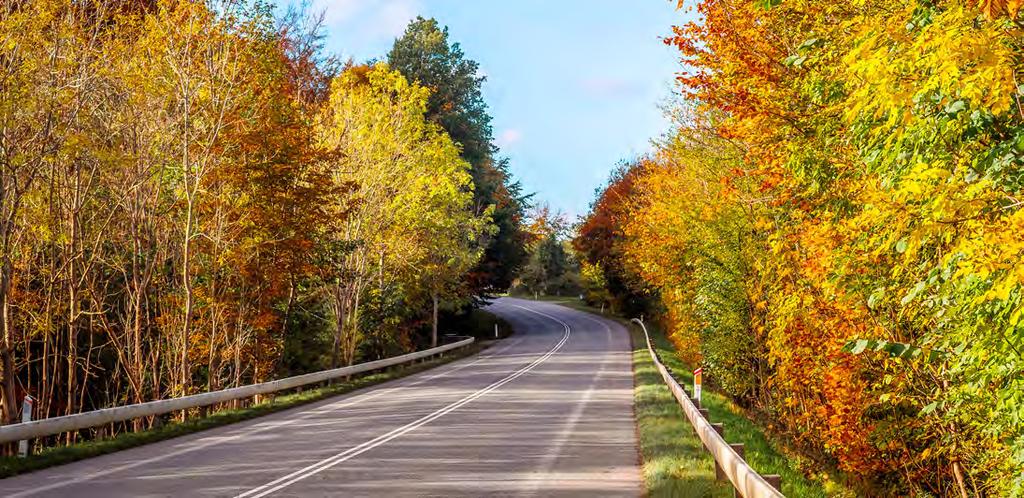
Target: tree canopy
x,y
832,230
423,54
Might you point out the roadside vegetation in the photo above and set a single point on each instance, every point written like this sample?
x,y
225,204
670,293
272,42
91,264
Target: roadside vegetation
x,y
197,196
833,229
763,451
675,463
477,323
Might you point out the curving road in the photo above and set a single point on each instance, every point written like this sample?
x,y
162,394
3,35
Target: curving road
x,y
547,412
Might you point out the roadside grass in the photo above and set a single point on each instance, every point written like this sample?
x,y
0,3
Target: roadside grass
x,y
59,455
674,460
478,323
546,298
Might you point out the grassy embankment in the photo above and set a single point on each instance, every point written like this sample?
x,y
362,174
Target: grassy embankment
x,y
479,324
674,461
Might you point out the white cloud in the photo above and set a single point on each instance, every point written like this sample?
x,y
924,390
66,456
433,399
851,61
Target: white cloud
x,y
509,137
393,17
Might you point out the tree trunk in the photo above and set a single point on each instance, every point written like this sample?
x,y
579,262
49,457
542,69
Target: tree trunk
x,y
186,281
433,328
10,409
339,326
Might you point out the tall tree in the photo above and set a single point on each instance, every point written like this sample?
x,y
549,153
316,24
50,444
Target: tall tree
x,y
424,55
47,69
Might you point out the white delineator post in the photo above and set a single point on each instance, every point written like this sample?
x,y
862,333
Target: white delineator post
x,y
697,374
26,416
495,330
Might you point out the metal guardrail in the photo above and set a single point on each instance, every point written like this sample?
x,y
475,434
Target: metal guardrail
x,y
57,425
745,480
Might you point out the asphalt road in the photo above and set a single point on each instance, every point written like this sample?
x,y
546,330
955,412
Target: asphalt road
x,y
547,412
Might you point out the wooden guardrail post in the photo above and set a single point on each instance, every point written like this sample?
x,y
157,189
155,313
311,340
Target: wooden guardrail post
x,y
720,429
707,416
775,480
738,448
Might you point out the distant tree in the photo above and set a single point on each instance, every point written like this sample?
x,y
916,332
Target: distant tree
x,y
552,267
594,285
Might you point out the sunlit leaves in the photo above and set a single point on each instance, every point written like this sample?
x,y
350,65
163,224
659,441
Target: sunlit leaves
x,y
894,349
883,172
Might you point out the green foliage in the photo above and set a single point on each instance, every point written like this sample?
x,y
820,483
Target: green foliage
x,y
595,286
894,349
424,55
551,270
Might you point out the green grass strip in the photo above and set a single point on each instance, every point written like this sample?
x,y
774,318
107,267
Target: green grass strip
x,y
761,452
674,461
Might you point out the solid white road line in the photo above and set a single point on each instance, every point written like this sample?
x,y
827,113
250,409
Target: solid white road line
x,y
331,461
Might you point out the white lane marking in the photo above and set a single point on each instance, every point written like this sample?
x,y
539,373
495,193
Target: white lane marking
x,y
258,428
331,461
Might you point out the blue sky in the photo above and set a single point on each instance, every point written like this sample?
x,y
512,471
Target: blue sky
x,y
574,86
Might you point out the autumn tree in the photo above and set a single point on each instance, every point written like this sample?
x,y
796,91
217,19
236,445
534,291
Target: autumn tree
x,y
599,236
407,211
863,231
191,191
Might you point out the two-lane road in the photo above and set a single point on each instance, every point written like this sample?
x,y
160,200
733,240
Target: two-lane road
x,y
548,412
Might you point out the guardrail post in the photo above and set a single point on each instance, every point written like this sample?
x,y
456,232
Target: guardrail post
x,y
720,429
696,402
774,480
26,416
738,448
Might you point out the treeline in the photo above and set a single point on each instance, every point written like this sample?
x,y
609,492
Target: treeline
x,y
194,196
834,231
